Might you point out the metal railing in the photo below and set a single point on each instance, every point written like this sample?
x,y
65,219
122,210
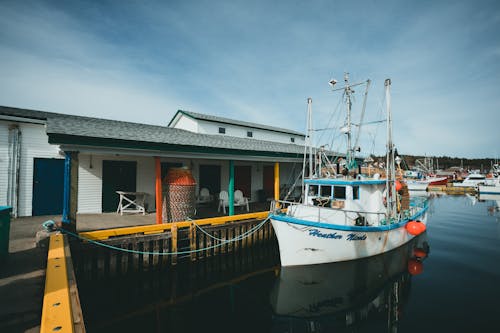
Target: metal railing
x,y
351,217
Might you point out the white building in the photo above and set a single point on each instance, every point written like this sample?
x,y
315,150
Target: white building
x,y
116,155
207,124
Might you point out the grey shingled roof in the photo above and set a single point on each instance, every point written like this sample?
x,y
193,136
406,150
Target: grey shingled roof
x,y
217,119
79,126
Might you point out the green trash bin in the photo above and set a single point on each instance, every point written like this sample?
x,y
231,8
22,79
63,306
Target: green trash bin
x,y
4,230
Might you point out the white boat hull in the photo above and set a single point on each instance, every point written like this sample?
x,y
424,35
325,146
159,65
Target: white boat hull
x,y
485,189
415,185
307,245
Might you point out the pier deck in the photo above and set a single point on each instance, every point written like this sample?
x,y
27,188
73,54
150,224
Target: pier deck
x,y
22,275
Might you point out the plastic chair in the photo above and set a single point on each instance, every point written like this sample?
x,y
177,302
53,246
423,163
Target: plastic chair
x,y
240,200
204,196
223,201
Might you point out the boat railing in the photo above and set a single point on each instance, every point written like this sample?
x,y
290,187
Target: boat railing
x,y
352,217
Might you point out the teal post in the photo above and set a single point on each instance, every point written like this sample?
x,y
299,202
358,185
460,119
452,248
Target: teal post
x,y
70,196
231,188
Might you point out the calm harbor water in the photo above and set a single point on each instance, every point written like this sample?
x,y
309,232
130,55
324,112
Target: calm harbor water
x,y
455,288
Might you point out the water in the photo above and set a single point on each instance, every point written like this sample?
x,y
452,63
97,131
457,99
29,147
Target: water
x,y
454,289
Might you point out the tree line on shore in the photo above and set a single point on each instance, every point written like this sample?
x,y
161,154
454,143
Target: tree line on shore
x,y
446,162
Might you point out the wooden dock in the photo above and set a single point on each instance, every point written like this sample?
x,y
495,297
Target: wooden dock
x,y
147,247
452,190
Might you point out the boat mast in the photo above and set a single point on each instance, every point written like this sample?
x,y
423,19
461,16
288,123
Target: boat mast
x,y
308,145
310,134
346,129
348,92
390,168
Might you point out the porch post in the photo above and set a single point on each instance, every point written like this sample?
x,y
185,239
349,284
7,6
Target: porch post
x,y
159,199
276,181
231,188
70,194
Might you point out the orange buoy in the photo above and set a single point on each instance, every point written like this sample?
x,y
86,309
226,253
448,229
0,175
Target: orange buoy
x,y
398,185
419,253
415,228
415,267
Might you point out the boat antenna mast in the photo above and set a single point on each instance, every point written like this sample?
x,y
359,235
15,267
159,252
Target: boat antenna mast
x,y
390,163
308,146
347,128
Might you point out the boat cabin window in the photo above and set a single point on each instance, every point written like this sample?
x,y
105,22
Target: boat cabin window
x,y
355,192
313,190
339,192
326,191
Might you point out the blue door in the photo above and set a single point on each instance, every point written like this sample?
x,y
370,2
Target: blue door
x,y
48,186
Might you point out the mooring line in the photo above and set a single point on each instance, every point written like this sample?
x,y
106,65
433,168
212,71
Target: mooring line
x,y
51,226
242,236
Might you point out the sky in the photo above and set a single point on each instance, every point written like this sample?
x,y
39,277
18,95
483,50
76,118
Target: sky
x,y
259,61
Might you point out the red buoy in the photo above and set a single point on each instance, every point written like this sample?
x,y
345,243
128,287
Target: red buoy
x,y
419,253
415,228
398,185
415,267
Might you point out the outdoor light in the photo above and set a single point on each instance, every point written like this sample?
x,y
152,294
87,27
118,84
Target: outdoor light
x,y
332,82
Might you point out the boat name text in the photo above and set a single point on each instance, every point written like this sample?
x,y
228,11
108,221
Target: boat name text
x,y
355,237
349,237
317,233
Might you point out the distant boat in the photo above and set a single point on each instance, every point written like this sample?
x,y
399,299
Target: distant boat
x,y
423,184
472,180
437,181
347,216
417,185
490,186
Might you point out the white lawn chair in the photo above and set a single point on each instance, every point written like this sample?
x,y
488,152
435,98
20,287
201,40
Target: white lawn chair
x,y
223,201
240,200
204,196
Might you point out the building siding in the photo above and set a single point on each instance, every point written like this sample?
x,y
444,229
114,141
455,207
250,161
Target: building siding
x,y
187,123
90,180
4,162
205,127
34,144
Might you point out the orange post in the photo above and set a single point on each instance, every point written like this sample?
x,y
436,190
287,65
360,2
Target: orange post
x,y
276,181
159,217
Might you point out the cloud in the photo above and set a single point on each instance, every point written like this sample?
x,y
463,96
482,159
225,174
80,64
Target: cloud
x,y
259,61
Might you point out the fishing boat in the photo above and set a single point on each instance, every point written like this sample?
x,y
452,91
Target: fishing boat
x,y
423,184
472,180
490,186
346,216
417,185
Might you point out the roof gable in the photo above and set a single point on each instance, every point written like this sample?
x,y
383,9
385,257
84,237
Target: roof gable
x,y
222,120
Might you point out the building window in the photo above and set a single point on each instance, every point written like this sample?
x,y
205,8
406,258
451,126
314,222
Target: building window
x,y
222,130
250,134
292,140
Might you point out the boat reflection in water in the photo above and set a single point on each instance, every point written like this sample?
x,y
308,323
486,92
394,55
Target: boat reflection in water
x,y
317,298
495,202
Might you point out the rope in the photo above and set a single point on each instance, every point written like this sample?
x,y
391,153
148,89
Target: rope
x,y
51,226
242,236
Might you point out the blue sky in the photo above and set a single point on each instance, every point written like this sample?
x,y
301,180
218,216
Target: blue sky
x,y
259,61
